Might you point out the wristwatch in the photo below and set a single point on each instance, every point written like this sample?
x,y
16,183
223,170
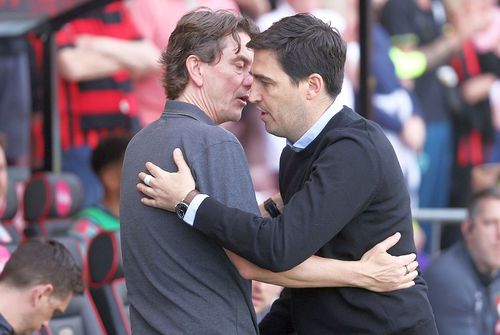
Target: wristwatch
x,y
271,208
182,207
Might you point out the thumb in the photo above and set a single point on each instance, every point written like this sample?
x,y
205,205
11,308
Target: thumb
x,y
389,242
179,160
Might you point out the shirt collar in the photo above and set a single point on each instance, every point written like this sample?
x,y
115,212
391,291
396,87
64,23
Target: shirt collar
x,y
175,107
316,129
5,327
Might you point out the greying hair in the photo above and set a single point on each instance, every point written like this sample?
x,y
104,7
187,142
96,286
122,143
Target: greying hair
x,y
200,33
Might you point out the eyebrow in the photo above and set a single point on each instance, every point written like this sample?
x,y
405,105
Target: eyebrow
x,y
261,77
241,57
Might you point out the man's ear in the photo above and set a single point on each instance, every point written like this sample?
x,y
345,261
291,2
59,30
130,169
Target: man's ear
x,y
194,69
466,227
315,84
40,293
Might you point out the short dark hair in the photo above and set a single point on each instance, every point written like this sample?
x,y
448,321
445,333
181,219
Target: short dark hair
x,y
199,32
110,150
305,45
488,193
42,261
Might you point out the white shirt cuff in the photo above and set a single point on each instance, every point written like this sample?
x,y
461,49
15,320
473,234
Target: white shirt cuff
x,y
193,207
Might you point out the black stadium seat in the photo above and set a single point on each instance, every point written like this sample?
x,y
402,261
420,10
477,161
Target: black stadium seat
x,y
107,283
50,201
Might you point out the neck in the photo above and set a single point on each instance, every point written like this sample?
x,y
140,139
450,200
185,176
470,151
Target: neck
x,y
112,202
481,266
197,98
313,113
9,306
486,270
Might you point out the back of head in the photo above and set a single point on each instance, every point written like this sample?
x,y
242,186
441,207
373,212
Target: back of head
x,y
201,33
110,150
305,45
40,261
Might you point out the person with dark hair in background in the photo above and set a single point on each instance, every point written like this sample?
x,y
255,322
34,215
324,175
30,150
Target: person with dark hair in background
x,y
340,182
464,281
39,280
180,281
106,160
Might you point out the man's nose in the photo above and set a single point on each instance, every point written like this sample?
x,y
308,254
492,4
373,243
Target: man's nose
x,y
254,95
248,81
45,324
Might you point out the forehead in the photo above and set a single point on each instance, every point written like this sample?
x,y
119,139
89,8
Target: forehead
x,y
231,46
266,65
489,207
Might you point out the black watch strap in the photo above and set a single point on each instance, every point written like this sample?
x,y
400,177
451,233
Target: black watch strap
x,y
271,208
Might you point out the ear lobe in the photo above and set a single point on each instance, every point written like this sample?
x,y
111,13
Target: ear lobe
x,y
195,71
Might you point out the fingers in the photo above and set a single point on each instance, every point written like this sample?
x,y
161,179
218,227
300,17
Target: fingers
x,y
413,266
179,160
155,170
143,176
406,259
150,202
406,285
146,190
389,242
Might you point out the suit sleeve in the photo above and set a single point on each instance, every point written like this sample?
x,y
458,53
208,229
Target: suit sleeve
x,y
342,182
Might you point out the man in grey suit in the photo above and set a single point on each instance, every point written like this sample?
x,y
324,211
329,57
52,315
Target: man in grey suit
x,y
180,281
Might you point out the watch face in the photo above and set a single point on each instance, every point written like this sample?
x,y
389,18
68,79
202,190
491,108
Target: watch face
x,y
181,209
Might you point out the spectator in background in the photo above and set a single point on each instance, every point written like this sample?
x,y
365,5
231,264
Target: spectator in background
x,y
15,84
107,160
255,8
417,26
478,70
263,296
485,176
98,56
420,53
464,281
39,280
